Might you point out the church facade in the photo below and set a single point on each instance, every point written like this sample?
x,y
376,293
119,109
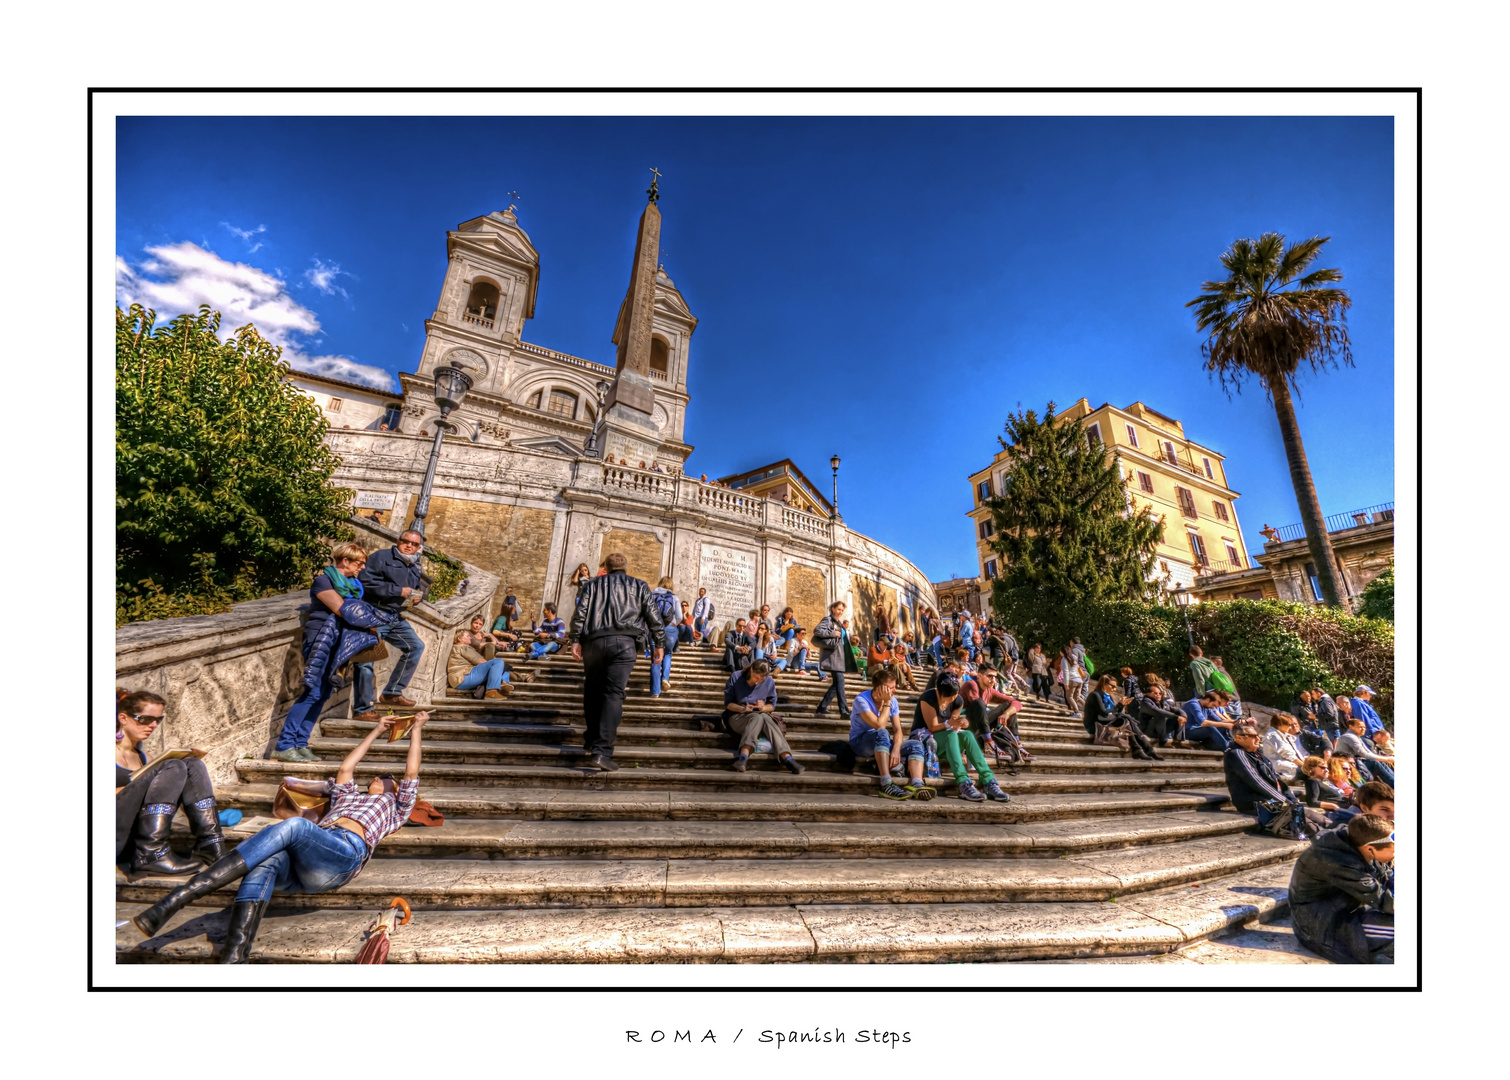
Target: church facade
x,y
525,395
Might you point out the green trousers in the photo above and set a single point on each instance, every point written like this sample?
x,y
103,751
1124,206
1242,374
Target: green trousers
x,y
949,743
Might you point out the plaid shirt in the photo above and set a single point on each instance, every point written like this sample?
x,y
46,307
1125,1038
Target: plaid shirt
x,y
378,815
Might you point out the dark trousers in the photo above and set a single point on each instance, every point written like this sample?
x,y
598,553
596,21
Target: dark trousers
x,y
607,662
1379,771
1043,686
835,690
180,782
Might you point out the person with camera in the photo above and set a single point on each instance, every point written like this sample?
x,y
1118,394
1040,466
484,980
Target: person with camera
x,y
614,612
393,580
298,856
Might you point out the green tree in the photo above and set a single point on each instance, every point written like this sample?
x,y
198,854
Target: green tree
x,y
1379,596
1065,529
1266,319
222,476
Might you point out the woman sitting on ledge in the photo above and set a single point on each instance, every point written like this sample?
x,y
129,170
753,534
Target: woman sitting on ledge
x,y
481,672
298,856
144,808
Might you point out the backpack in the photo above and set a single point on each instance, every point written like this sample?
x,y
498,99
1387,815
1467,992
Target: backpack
x,y
1085,660
665,606
1220,680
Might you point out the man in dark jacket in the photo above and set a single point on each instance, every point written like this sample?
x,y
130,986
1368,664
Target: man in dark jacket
x,y
1342,896
389,580
614,612
1252,781
832,638
739,647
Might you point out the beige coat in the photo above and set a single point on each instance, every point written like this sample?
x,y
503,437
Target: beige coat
x,y
463,659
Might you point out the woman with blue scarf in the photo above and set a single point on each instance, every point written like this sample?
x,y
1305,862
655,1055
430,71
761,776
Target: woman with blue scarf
x,y
331,589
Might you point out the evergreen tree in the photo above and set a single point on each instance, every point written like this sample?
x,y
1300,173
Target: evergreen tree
x,y
222,474
1379,596
1065,530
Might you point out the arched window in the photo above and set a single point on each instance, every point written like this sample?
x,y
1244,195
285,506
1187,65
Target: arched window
x,y
563,403
660,355
482,304
535,399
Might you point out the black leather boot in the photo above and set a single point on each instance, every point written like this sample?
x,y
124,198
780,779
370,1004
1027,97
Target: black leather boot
x,y
152,854
225,871
241,931
209,845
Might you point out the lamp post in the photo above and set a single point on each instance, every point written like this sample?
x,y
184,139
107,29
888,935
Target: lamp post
x,y
1182,601
834,462
451,386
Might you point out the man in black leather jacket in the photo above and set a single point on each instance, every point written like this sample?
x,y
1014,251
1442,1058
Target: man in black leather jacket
x,y
613,613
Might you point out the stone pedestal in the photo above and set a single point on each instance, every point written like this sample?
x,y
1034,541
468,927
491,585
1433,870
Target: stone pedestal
x,y
627,429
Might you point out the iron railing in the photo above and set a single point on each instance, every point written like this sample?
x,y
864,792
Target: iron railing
x,y
1351,519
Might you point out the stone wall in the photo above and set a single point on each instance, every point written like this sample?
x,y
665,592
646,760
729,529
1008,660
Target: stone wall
x,y
642,548
230,678
513,542
806,594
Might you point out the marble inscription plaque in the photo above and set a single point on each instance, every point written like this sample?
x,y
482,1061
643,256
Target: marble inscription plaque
x,y
729,576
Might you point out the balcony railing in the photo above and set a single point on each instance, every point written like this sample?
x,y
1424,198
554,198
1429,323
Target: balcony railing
x,y
1351,519
575,361
477,318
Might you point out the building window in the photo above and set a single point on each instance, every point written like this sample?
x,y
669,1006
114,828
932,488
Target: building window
x,y
1198,549
1232,554
987,527
1169,453
983,490
660,355
1221,510
1093,435
562,403
1206,464
990,568
335,405
1187,501
1314,580
1132,436
1251,594
535,399
1145,481
482,304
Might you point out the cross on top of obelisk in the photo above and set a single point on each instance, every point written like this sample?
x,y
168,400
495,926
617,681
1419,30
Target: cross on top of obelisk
x,y
654,190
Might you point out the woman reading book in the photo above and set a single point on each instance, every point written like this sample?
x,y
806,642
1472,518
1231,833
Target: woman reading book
x,y
144,806
298,856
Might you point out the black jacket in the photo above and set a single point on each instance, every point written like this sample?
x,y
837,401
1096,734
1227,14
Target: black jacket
x,y
1319,791
1251,780
616,604
1158,719
1330,882
386,576
738,661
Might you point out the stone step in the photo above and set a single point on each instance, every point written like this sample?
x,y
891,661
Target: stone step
x,y
553,804
429,884
770,776
1152,923
648,735
505,839
629,756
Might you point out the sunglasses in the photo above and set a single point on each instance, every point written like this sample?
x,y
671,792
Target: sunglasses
x,y
143,718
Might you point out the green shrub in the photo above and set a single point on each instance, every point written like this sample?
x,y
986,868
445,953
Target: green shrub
x,y
445,574
1379,596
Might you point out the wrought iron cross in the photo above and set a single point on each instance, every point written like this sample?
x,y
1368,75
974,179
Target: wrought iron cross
x,y
654,190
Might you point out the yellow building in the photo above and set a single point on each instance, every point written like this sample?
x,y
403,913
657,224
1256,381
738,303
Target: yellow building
x,y
781,481
1183,481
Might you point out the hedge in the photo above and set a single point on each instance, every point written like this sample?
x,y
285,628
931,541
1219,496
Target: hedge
x,y
1273,650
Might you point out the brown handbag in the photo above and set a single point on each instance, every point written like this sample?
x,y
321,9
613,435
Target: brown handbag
x,y
371,654
302,798
1112,735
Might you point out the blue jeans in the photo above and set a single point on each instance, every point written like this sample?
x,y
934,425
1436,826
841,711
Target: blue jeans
x,y
399,633
787,635
1380,771
1213,738
938,656
297,856
660,671
868,742
543,648
701,626
300,721
494,673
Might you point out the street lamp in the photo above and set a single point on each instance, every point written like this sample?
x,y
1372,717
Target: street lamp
x,y
834,462
1182,601
451,386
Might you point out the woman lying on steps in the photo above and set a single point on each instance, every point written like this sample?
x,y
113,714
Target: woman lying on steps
x,y
298,856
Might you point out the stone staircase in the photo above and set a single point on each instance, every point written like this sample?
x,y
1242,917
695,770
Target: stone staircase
x,y
676,858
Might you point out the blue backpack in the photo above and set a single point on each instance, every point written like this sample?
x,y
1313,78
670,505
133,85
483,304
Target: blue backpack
x,y
665,605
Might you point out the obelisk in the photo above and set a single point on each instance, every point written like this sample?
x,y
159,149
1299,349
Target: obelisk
x,y
627,427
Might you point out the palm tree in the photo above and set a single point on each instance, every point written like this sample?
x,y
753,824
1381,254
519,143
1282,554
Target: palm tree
x,y
1269,317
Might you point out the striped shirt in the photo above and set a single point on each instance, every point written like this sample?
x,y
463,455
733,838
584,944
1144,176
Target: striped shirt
x,y
378,815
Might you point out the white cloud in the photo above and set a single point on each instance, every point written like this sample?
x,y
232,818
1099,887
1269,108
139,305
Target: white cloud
x,y
247,234
177,278
323,275
341,367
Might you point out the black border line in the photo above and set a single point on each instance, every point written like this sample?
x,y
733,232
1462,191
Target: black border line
x,y
1420,515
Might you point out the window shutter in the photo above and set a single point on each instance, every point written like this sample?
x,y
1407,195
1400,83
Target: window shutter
x,y
1187,502
1221,510
1132,436
1145,482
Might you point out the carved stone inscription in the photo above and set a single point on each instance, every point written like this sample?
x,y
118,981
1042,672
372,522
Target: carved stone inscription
x,y
729,576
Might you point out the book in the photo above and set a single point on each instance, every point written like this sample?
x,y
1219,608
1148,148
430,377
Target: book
x,y
166,755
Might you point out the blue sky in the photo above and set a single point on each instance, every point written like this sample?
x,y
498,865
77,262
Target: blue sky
x,y
884,288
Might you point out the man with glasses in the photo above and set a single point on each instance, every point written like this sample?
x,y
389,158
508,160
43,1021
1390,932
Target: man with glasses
x,y
392,580
1255,788
1342,895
